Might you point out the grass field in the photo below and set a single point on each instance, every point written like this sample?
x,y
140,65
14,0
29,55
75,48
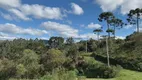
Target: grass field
x,y
125,75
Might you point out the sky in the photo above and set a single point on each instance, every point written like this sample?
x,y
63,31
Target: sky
x,y
66,18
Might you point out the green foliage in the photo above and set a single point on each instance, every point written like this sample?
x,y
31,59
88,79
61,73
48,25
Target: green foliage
x,y
55,42
124,52
134,37
91,45
73,52
7,69
95,69
72,55
98,32
101,71
60,75
21,70
70,41
105,16
13,49
30,61
53,58
110,30
33,59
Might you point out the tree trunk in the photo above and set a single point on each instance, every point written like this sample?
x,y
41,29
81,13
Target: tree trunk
x,y
107,49
98,36
114,32
137,24
86,46
108,29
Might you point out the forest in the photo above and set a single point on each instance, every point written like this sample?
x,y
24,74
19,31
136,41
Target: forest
x,y
62,58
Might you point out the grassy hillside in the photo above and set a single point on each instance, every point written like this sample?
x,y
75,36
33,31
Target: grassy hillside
x,y
126,53
131,48
125,75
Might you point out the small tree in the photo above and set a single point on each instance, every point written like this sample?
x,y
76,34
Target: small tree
x,y
70,41
98,32
54,58
55,42
30,62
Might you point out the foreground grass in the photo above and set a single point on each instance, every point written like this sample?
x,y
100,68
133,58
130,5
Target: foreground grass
x,y
129,75
125,75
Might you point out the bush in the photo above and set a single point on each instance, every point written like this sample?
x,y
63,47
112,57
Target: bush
x,y
60,75
7,69
99,70
53,58
81,78
140,66
47,77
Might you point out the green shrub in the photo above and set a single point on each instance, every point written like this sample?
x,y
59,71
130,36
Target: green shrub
x,y
101,71
47,77
7,69
81,78
140,66
60,75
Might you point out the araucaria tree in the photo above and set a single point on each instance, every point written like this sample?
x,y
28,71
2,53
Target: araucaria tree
x,y
98,31
106,16
134,17
116,23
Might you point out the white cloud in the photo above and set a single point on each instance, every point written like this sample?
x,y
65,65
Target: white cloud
x,y
140,26
127,5
4,36
44,38
93,26
29,11
13,29
120,37
24,11
128,26
19,14
88,36
124,5
109,5
66,30
62,29
7,16
10,3
76,9
140,29
42,11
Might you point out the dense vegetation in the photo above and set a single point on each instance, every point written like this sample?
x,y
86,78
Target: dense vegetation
x,y
126,53
34,59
